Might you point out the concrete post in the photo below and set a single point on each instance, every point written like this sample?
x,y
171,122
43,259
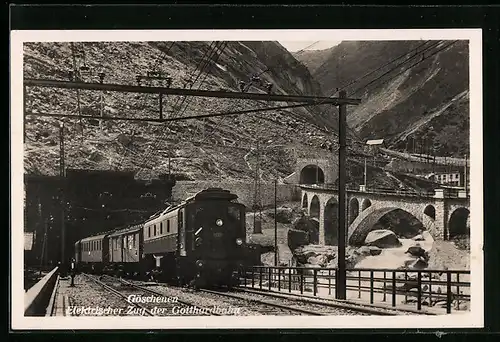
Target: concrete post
x,y
322,240
439,193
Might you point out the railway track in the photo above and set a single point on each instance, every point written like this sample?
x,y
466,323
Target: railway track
x,y
277,305
358,307
248,302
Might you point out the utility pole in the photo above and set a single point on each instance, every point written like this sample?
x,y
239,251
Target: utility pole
x,y
465,175
275,222
256,199
340,282
62,175
44,243
365,173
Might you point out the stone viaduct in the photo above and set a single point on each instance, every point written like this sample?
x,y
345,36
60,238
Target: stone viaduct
x,y
440,213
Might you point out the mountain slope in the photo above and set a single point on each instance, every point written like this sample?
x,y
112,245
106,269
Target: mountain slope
x,y
313,59
428,101
213,148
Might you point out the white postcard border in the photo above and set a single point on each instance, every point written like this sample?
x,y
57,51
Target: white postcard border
x,y
472,319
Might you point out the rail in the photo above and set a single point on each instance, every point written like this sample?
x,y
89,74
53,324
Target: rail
x,y
447,192
370,191
430,288
37,298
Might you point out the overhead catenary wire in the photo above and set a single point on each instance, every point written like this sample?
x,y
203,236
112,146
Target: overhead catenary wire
x,y
155,144
152,151
160,58
409,58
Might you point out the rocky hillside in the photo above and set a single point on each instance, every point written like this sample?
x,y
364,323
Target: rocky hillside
x,y
213,148
313,59
428,101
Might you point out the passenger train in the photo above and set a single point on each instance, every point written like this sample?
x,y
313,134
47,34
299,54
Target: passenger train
x,y
199,242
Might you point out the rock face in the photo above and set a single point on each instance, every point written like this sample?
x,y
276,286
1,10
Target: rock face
x,y
225,68
382,238
285,256
315,255
440,111
306,224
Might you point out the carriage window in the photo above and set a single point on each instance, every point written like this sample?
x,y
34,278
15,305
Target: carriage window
x,y
154,230
161,227
168,226
149,231
181,219
133,241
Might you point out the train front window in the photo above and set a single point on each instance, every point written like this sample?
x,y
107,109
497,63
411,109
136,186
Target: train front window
x,y
234,213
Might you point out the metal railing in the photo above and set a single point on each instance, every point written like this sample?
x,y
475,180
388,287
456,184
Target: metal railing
x,y
409,193
431,288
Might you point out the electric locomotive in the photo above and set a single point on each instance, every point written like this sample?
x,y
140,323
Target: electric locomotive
x,y
199,242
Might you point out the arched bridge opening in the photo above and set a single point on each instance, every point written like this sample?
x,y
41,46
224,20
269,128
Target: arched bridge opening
x,y
305,202
403,223
459,224
353,210
331,221
312,174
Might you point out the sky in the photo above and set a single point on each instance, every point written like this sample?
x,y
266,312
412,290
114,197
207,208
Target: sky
x,y
293,46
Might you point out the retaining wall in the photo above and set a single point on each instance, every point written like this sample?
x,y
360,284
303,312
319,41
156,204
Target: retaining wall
x,y
244,190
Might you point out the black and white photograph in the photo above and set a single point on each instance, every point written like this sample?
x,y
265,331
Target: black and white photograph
x,y
183,179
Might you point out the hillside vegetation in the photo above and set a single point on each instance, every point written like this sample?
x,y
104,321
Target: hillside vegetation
x,y
427,101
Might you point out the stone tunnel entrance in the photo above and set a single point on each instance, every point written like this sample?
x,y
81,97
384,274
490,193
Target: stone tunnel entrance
x,y
312,174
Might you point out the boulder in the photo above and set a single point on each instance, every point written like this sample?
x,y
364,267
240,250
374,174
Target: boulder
x,y
297,238
305,224
363,250
267,259
417,251
382,238
285,255
418,237
375,250
368,251
418,264
320,260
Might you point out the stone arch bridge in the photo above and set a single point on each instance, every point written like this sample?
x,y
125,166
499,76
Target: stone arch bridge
x,y
443,215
